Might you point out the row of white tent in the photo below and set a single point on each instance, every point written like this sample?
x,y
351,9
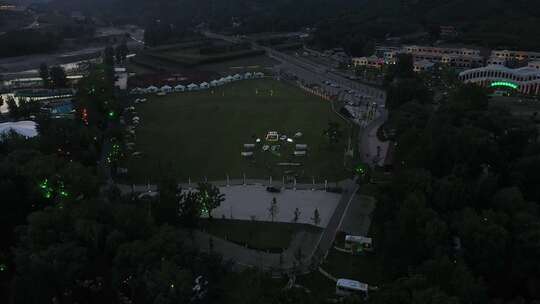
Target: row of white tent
x,y
197,87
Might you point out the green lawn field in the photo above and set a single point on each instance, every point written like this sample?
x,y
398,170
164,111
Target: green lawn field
x,y
201,134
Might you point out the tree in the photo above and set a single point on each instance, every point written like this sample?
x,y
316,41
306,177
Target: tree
x,y
190,209
121,51
13,108
108,56
210,198
167,207
296,215
44,74
58,77
274,209
316,217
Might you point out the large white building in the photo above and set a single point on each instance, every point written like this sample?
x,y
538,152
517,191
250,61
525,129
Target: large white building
x,y
525,80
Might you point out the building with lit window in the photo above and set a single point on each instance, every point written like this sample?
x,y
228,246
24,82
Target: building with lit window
x,y
423,66
515,55
456,57
370,62
525,80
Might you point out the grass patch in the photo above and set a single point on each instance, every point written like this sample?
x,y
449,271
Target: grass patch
x,y
274,237
200,134
252,64
249,286
320,286
363,268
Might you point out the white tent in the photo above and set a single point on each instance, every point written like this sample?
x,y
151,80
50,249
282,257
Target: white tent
x,y
136,91
248,75
258,75
192,87
247,154
204,85
214,83
24,128
228,78
152,89
179,88
166,89
237,77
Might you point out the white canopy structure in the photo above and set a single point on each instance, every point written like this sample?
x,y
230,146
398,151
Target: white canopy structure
x,y
179,88
152,89
204,85
214,83
24,128
192,87
136,91
248,75
228,78
237,77
166,89
258,75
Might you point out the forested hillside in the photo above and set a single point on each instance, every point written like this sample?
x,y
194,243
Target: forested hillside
x,y
353,24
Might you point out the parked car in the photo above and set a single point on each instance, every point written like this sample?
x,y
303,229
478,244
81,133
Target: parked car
x,y
273,190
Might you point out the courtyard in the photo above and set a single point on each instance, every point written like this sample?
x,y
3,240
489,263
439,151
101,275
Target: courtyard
x,y
198,135
253,203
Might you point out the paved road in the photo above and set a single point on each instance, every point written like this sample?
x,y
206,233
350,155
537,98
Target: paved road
x,y
368,143
327,238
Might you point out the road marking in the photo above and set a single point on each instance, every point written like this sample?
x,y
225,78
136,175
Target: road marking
x,y
347,207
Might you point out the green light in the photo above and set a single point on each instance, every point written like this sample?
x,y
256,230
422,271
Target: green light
x,y
360,169
111,114
3,267
504,84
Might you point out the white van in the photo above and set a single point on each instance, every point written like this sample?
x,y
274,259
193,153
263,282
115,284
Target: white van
x,y
345,287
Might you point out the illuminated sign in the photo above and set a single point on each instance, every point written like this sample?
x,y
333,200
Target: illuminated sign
x,y
504,84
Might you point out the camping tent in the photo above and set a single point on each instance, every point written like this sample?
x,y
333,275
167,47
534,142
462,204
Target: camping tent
x,y
179,88
136,91
152,89
166,89
204,85
192,87
237,77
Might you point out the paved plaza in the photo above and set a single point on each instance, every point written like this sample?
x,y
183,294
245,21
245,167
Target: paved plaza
x,y
253,201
